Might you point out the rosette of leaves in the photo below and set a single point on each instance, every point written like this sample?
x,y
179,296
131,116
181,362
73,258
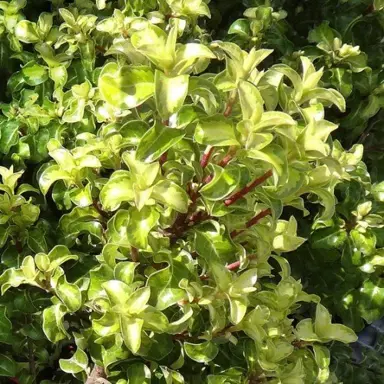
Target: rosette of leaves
x,y
170,170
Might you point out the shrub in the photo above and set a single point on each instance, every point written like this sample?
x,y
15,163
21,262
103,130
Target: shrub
x,y
154,174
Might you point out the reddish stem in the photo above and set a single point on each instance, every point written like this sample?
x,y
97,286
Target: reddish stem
x,y
206,156
229,107
252,222
163,158
233,266
14,380
238,195
207,179
223,163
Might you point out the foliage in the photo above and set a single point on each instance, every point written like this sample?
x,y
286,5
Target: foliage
x,y
158,175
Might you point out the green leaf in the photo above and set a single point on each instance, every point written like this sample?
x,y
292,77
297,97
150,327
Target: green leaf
x,y
127,87
322,358
377,191
50,175
34,74
9,135
328,238
224,182
58,256
157,140
76,364
139,373
323,34
117,291
131,332
53,326
216,131
5,327
170,93
137,301
170,194
8,366
165,282
152,42
140,224
330,95
371,297
69,294
240,27
238,309
328,331
202,353
26,31
378,4
118,189
251,101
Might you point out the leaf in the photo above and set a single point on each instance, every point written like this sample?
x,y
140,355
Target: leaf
x,y
170,93
322,34
328,331
170,194
139,373
9,130
322,358
224,182
216,131
34,74
26,31
131,332
371,297
240,27
378,4
143,174
137,301
238,309
251,101
157,140
328,238
76,364
8,366
50,175
202,353
118,189
118,292
5,327
58,256
140,224
127,87
53,326
69,294
377,191
151,42
330,95
165,282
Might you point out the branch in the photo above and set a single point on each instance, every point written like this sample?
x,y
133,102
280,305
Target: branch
x,y
238,195
229,107
163,158
134,254
223,163
252,222
97,376
206,156
233,266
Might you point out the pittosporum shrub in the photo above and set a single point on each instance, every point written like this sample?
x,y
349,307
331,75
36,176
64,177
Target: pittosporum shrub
x,y
155,173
